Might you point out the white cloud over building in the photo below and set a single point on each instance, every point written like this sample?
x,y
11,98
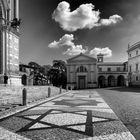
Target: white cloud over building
x,y
107,52
67,41
75,50
83,17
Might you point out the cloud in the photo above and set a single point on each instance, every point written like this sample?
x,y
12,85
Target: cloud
x,y
112,20
105,51
75,50
83,17
67,40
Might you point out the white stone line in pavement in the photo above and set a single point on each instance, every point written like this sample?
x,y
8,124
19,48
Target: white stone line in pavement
x,y
39,125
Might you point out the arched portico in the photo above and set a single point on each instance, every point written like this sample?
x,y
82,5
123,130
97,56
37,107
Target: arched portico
x,y
101,81
120,80
111,81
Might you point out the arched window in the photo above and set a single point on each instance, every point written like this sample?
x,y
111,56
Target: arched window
x,y
81,69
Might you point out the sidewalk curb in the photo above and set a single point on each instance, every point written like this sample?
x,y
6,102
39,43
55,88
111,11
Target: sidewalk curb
x,y
29,106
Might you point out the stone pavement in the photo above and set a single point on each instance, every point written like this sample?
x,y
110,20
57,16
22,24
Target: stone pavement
x,y
77,115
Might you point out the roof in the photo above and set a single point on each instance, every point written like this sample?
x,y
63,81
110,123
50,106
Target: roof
x,y
100,54
81,54
111,63
134,46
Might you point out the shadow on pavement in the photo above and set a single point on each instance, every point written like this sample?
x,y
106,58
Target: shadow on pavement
x,y
126,89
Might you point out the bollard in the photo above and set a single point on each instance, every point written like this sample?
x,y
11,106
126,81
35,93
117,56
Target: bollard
x,y
60,90
71,88
67,88
49,91
24,97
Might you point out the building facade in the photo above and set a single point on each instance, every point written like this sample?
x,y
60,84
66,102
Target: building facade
x,y
81,72
30,74
87,72
9,41
111,74
134,64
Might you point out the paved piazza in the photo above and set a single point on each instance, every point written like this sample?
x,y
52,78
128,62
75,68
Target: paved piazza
x,y
77,115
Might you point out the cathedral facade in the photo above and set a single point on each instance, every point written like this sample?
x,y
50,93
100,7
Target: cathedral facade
x,y
9,40
87,72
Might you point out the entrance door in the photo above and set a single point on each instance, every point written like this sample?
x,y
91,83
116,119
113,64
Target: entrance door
x,y
81,82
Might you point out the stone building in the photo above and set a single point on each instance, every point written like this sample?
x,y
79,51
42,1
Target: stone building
x,y
87,72
25,73
9,41
29,73
134,64
82,72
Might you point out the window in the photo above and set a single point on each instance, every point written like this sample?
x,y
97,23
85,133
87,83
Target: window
x,y
108,69
137,67
81,69
118,69
137,78
100,69
137,52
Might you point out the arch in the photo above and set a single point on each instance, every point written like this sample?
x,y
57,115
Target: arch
x,y
111,81
101,81
81,69
24,79
120,80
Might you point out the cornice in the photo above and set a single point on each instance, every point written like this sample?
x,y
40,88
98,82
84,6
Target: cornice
x,y
134,46
81,54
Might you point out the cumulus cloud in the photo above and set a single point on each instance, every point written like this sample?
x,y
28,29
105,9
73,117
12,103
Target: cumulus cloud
x,y
67,40
112,20
83,17
75,50
105,51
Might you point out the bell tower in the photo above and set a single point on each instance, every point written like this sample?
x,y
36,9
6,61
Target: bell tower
x,y
100,58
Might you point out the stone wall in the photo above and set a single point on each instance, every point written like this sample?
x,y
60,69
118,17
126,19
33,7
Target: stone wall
x,y
13,94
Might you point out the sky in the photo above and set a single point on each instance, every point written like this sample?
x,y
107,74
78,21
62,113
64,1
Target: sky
x,y
58,30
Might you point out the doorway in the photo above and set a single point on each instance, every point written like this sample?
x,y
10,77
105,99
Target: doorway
x,y
81,82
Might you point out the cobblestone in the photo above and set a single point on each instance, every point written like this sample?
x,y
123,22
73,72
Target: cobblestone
x,y
125,102
80,115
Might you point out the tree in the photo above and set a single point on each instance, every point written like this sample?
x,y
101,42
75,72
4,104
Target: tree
x,y
34,64
57,73
46,68
38,73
